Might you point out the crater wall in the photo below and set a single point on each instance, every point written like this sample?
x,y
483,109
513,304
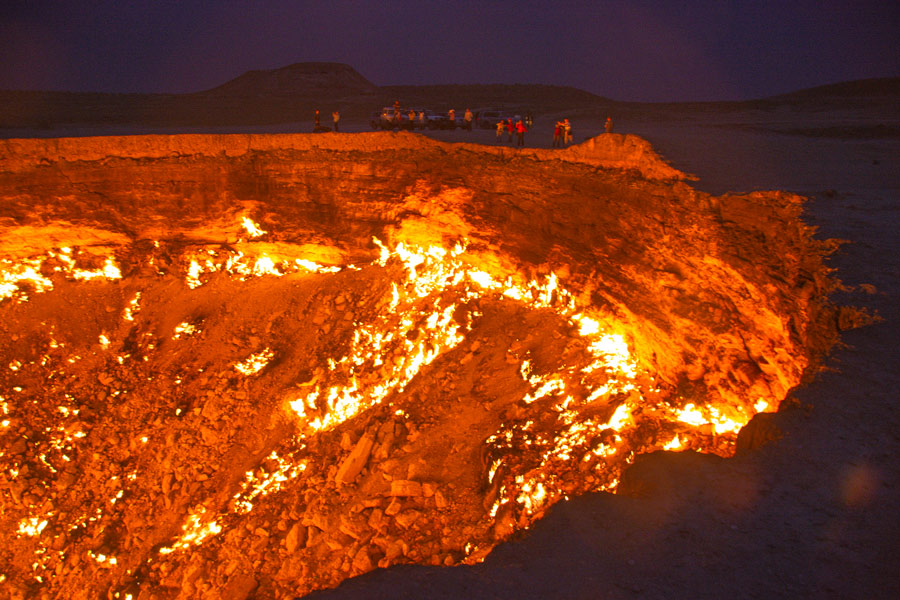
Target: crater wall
x,y
308,356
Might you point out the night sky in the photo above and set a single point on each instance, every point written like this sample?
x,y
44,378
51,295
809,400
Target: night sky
x,y
625,50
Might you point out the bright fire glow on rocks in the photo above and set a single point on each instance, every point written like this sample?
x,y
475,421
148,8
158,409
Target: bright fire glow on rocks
x,y
260,482
588,415
252,228
32,526
255,362
35,274
194,531
246,263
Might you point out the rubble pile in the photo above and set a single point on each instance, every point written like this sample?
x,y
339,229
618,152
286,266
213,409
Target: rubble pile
x,y
255,366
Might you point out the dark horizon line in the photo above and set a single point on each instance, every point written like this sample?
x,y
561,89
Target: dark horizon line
x,y
834,86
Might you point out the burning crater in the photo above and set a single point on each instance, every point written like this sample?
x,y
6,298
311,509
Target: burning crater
x,y
237,365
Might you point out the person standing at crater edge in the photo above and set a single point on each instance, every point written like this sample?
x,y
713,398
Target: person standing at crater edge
x,y
608,125
336,116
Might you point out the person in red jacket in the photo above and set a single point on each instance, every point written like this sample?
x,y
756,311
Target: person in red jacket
x,y
510,127
520,133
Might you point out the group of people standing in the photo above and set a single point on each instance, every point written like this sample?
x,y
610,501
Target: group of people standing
x,y
518,128
562,131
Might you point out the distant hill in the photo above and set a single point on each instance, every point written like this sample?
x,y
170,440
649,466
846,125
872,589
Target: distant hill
x,y
299,79
868,88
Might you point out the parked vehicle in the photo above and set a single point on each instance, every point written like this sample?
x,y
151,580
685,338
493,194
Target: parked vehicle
x,y
488,119
434,120
386,119
375,121
441,120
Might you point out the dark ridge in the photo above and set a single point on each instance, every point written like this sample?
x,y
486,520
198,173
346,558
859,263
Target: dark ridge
x,y
299,79
884,86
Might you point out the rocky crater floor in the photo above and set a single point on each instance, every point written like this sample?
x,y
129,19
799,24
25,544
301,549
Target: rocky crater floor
x,y
240,366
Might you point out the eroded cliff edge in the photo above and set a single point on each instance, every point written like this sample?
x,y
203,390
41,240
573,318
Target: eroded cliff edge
x,y
722,302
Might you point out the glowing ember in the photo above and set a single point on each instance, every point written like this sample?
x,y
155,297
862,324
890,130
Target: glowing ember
x,y
251,260
12,276
261,482
314,267
32,526
691,415
132,308
673,444
194,531
18,277
252,228
183,330
255,362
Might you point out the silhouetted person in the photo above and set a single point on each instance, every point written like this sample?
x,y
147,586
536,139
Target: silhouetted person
x,y
336,116
608,125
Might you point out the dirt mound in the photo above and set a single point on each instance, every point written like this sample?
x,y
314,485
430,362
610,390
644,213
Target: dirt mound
x,y
238,363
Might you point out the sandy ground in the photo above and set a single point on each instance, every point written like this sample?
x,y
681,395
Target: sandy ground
x,y
813,515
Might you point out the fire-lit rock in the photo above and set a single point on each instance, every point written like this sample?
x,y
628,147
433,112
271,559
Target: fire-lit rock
x,y
261,364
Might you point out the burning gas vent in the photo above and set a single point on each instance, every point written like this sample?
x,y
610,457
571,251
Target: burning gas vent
x,y
272,369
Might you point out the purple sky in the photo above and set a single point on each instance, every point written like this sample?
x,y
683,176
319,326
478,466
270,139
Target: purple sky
x,y
625,50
